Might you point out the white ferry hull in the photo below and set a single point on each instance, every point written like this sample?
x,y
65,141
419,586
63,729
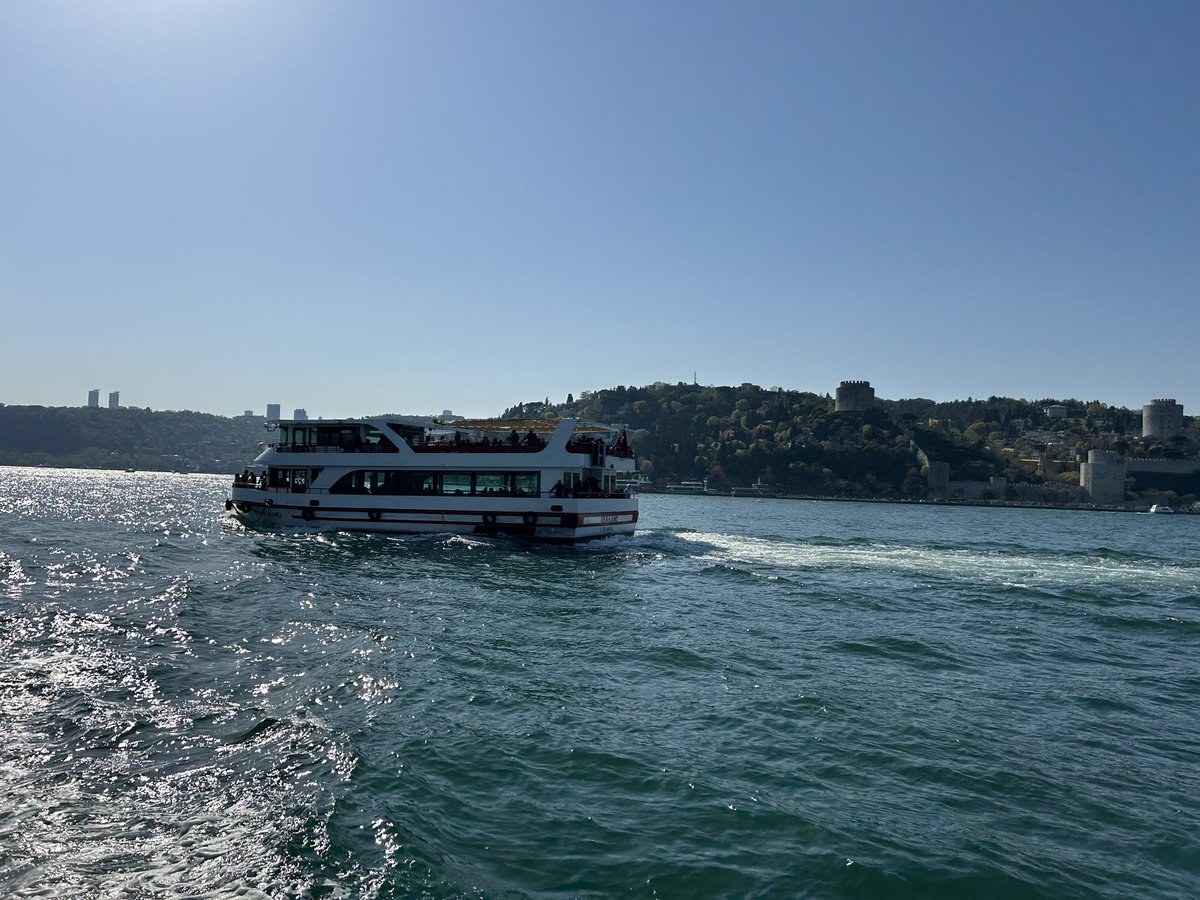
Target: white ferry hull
x,y
566,520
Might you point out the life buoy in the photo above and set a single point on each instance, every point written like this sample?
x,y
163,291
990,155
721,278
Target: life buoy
x,y
373,515
529,518
306,515
489,518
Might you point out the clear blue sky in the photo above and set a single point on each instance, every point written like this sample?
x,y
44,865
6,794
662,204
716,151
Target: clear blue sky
x,y
409,206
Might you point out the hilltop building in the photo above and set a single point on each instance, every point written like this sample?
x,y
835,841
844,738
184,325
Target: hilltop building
x,y
114,400
300,414
94,398
1102,477
854,396
1162,419
272,412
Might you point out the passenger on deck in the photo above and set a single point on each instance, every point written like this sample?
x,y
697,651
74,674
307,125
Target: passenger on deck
x,y
514,438
532,439
558,490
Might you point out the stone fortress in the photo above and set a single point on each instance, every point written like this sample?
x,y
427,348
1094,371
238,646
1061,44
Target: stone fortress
x,y
1102,478
1162,419
854,396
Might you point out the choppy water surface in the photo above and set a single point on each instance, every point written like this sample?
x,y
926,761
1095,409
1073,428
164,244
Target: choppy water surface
x,y
747,698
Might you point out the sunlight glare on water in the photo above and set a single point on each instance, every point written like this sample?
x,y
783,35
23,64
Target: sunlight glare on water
x,y
746,698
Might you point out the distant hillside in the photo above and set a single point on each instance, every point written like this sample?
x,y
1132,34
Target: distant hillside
x,y
733,436
127,438
797,442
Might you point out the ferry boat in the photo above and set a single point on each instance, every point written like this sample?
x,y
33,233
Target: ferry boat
x,y
641,485
758,489
544,480
689,487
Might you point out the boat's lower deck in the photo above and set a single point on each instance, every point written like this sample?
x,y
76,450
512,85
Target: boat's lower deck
x,y
555,520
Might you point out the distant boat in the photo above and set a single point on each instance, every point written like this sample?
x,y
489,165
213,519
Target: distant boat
x,y
1161,508
689,487
758,489
639,485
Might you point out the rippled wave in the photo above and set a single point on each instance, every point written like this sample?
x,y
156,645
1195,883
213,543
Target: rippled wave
x,y
742,699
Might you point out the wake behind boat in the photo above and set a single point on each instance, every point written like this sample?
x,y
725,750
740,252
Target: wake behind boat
x,y
547,480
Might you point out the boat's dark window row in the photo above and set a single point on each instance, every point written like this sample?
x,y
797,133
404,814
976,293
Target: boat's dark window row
x,y
333,438
499,484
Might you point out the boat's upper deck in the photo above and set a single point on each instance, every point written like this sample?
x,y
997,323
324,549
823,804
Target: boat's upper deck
x,y
434,438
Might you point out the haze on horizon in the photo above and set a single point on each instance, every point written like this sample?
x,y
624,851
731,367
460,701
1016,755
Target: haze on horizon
x,y
408,207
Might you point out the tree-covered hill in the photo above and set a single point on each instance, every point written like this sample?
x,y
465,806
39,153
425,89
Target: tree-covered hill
x,y
797,442
127,438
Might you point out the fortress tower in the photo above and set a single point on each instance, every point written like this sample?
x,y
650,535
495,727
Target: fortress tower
x,y
1162,419
1102,477
855,396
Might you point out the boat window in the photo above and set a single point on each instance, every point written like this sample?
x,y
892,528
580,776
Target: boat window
x,y
377,440
456,483
350,483
492,482
409,483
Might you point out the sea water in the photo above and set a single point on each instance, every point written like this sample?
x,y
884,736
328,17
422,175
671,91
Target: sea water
x,y
747,698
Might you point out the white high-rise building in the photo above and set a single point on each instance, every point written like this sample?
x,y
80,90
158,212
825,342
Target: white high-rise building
x,y
114,399
300,414
272,412
94,398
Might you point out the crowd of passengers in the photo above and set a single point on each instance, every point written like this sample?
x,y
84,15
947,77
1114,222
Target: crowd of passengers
x,y
248,479
462,439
